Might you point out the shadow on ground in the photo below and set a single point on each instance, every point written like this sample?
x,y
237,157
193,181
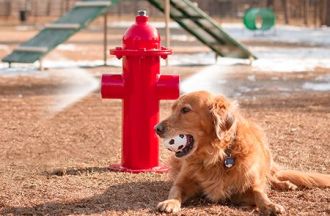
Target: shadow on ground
x,y
121,197
131,196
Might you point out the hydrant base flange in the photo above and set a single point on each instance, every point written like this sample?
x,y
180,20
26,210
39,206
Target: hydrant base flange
x,y
120,168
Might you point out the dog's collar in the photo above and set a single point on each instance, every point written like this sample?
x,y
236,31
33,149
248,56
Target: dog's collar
x,y
229,160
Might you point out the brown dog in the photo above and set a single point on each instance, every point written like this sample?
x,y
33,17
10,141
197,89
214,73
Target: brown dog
x,y
226,158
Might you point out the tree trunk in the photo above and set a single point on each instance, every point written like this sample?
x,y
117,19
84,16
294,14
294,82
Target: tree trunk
x,y
270,4
306,12
316,13
327,12
286,12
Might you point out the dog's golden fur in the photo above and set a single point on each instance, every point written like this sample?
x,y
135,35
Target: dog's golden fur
x,y
217,126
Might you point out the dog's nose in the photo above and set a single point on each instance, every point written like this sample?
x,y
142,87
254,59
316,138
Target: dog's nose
x,y
160,129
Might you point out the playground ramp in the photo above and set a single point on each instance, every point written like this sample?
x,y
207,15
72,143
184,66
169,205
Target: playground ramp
x,y
195,21
56,33
184,12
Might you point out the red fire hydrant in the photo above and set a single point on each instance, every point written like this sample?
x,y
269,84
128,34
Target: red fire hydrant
x,y
141,87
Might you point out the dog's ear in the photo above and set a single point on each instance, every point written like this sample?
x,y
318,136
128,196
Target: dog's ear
x,y
222,113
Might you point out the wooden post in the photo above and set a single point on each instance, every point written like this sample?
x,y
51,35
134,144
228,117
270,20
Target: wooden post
x,y
251,58
41,66
105,39
167,28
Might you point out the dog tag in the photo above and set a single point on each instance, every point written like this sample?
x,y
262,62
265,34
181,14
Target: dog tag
x,y
229,162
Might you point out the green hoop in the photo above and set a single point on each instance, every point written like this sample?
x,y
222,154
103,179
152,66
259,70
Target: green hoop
x,y
267,19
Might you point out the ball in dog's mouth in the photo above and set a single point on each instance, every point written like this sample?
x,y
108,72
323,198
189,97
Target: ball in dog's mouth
x,y
181,144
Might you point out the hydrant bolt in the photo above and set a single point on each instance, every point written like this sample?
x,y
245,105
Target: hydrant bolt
x,y
142,13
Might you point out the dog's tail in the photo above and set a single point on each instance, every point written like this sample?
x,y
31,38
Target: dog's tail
x,y
303,179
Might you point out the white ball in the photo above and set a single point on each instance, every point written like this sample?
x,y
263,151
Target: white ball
x,y
176,143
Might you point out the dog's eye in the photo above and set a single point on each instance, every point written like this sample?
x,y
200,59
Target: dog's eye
x,y
185,110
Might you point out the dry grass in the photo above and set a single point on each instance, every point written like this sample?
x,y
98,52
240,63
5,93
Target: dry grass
x,y
57,165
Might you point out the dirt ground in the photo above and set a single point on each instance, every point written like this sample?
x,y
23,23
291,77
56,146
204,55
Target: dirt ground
x,y
56,163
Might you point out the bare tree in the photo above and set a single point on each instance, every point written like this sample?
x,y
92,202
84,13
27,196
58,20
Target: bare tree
x,y
306,3
327,13
286,12
316,11
270,4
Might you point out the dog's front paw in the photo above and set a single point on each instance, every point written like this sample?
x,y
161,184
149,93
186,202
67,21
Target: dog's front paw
x,y
271,210
169,206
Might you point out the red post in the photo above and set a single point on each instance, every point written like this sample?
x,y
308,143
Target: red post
x,y
141,87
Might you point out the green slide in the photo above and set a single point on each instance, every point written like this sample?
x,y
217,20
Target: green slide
x,y
184,12
191,18
62,29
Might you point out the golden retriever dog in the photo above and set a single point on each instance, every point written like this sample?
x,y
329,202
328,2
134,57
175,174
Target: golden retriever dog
x,y
226,157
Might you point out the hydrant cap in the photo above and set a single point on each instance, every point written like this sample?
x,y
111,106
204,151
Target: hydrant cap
x,y
141,35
